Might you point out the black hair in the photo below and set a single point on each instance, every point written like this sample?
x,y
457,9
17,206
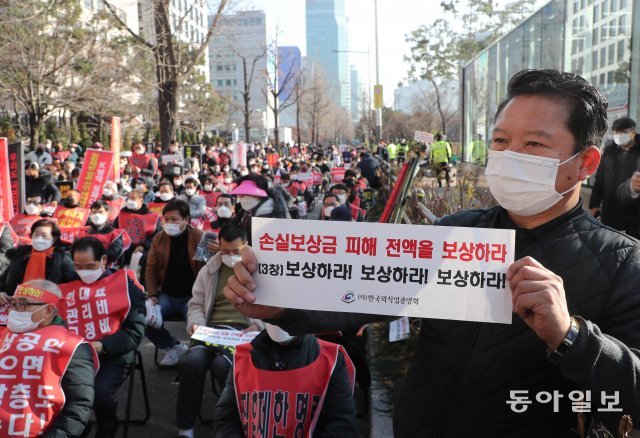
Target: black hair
x,y
330,195
89,243
193,181
587,119
228,196
622,124
55,229
339,186
177,205
100,204
437,137
231,232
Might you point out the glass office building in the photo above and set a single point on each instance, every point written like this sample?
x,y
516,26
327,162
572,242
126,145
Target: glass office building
x,y
593,38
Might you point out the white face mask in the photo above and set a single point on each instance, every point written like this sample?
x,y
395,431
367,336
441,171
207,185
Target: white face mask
x,y
107,192
99,219
286,184
244,172
89,276
32,209
248,202
172,229
223,212
41,244
227,180
190,192
20,322
277,334
622,139
208,187
342,199
166,196
231,260
132,205
327,211
524,184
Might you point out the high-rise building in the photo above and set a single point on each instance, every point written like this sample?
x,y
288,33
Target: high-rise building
x,y
356,98
188,19
327,45
237,53
289,66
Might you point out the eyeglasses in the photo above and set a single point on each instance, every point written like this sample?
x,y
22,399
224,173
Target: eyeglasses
x,y
21,306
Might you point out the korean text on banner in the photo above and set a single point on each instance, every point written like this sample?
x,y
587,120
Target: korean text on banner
x,y
6,201
428,272
216,336
239,155
93,176
337,174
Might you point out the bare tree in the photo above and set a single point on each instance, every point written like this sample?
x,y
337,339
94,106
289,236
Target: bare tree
x,y
174,61
201,105
280,93
316,102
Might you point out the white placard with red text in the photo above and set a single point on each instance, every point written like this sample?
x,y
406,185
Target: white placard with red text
x,y
400,270
216,336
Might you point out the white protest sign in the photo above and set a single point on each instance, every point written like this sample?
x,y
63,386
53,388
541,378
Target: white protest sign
x,y
172,158
399,329
401,270
305,176
423,137
210,335
239,155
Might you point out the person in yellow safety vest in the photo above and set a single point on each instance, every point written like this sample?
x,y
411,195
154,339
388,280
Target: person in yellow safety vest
x,y
403,150
478,151
440,158
392,150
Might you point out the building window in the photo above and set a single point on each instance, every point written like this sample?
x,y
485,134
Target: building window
x,y
595,35
595,59
228,82
610,79
605,9
602,78
612,54
220,82
235,82
603,57
603,32
622,24
596,13
621,50
576,5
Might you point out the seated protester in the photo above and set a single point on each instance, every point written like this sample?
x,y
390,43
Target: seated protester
x,y
355,196
341,213
116,351
299,366
197,203
208,193
144,185
164,193
178,187
7,241
43,259
343,195
141,160
22,222
39,183
101,229
139,222
170,274
110,191
225,209
68,376
256,202
208,307
329,203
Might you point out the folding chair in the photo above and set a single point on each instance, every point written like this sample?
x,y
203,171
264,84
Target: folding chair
x,y
137,365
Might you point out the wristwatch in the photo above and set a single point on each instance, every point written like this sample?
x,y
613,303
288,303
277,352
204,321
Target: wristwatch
x,y
567,342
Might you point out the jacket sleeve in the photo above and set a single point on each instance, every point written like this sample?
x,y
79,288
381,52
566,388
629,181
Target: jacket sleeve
x,y
624,193
132,330
298,322
68,270
196,313
6,241
149,240
115,249
52,193
597,192
227,417
151,273
607,357
77,384
338,416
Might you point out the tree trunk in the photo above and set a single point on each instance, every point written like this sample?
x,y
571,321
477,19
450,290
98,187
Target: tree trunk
x,y
247,97
276,131
35,123
444,125
298,123
167,106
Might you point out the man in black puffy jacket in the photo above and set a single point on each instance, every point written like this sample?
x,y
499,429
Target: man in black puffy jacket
x,y
576,332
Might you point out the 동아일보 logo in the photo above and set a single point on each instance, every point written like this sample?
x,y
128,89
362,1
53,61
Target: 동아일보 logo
x,y
348,297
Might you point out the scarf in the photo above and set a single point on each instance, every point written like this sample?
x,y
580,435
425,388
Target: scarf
x,y
36,267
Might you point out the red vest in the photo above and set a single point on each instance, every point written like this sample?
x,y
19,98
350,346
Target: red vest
x,y
140,161
31,369
284,403
71,217
210,198
21,224
114,208
156,207
139,226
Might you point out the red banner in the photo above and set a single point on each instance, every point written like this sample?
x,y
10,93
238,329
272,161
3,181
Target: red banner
x,y
95,172
139,226
6,201
21,223
69,234
4,314
337,174
71,217
96,310
115,207
239,155
16,176
317,178
62,155
31,368
211,198
156,207
109,238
